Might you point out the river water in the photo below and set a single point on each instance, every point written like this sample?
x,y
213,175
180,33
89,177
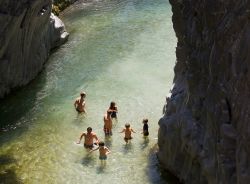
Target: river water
x,y
122,51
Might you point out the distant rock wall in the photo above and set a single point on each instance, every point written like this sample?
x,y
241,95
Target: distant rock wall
x,y
28,31
204,135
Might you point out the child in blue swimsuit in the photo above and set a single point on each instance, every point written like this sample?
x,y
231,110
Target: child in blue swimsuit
x,y
103,151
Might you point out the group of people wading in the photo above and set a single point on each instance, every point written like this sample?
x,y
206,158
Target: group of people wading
x,y
90,137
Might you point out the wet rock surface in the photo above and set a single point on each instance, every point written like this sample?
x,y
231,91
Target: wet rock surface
x,y
204,133
28,31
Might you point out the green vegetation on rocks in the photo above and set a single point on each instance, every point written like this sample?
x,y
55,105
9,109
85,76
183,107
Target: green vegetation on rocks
x,y
60,5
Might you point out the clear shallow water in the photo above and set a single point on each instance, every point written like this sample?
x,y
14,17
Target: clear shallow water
x,y
118,50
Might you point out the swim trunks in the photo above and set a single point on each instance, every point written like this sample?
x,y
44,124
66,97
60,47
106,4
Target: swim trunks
x,y
103,157
88,146
78,110
107,132
126,139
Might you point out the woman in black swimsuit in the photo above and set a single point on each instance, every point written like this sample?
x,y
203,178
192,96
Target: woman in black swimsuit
x,y
114,110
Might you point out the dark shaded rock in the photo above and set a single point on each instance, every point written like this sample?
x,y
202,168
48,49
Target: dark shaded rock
x,y
204,133
28,32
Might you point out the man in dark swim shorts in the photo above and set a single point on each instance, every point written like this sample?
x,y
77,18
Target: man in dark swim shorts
x,y
89,138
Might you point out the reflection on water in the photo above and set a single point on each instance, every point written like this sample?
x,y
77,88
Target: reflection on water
x,y
119,50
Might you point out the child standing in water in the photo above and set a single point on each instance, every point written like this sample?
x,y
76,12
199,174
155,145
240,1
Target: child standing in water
x,y
145,127
113,109
103,152
128,131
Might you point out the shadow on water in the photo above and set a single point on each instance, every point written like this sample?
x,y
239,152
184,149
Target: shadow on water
x,y
108,141
8,175
127,148
100,169
79,119
144,143
156,174
15,106
88,160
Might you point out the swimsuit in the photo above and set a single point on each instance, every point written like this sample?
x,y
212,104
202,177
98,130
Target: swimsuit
x,y
113,113
145,130
103,157
89,146
126,139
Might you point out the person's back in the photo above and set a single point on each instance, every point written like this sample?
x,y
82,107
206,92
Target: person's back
x,y
107,123
103,152
128,131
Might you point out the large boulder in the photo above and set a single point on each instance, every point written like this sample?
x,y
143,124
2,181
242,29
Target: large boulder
x,y
28,31
204,135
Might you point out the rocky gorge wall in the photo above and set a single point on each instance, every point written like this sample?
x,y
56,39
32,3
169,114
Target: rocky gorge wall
x,y
28,31
204,135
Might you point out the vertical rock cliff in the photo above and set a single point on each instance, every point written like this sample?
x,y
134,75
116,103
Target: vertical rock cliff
x,y
204,135
28,31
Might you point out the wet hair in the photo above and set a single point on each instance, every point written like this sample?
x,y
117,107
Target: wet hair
x,y
112,104
83,94
101,143
89,129
145,120
127,125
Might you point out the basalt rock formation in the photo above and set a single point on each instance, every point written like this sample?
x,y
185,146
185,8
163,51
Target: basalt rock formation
x,y
28,31
204,135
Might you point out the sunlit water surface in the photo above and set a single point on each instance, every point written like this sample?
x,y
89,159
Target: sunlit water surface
x,y
122,51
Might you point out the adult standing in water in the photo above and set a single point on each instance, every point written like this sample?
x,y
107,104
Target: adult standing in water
x,y
80,103
113,110
107,123
90,138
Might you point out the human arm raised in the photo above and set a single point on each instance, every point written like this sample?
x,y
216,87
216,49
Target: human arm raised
x,y
82,135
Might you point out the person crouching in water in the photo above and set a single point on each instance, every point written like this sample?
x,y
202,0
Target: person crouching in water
x,y
103,152
80,103
128,131
89,138
107,123
145,127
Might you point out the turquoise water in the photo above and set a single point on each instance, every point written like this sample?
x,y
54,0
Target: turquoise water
x,y
122,51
